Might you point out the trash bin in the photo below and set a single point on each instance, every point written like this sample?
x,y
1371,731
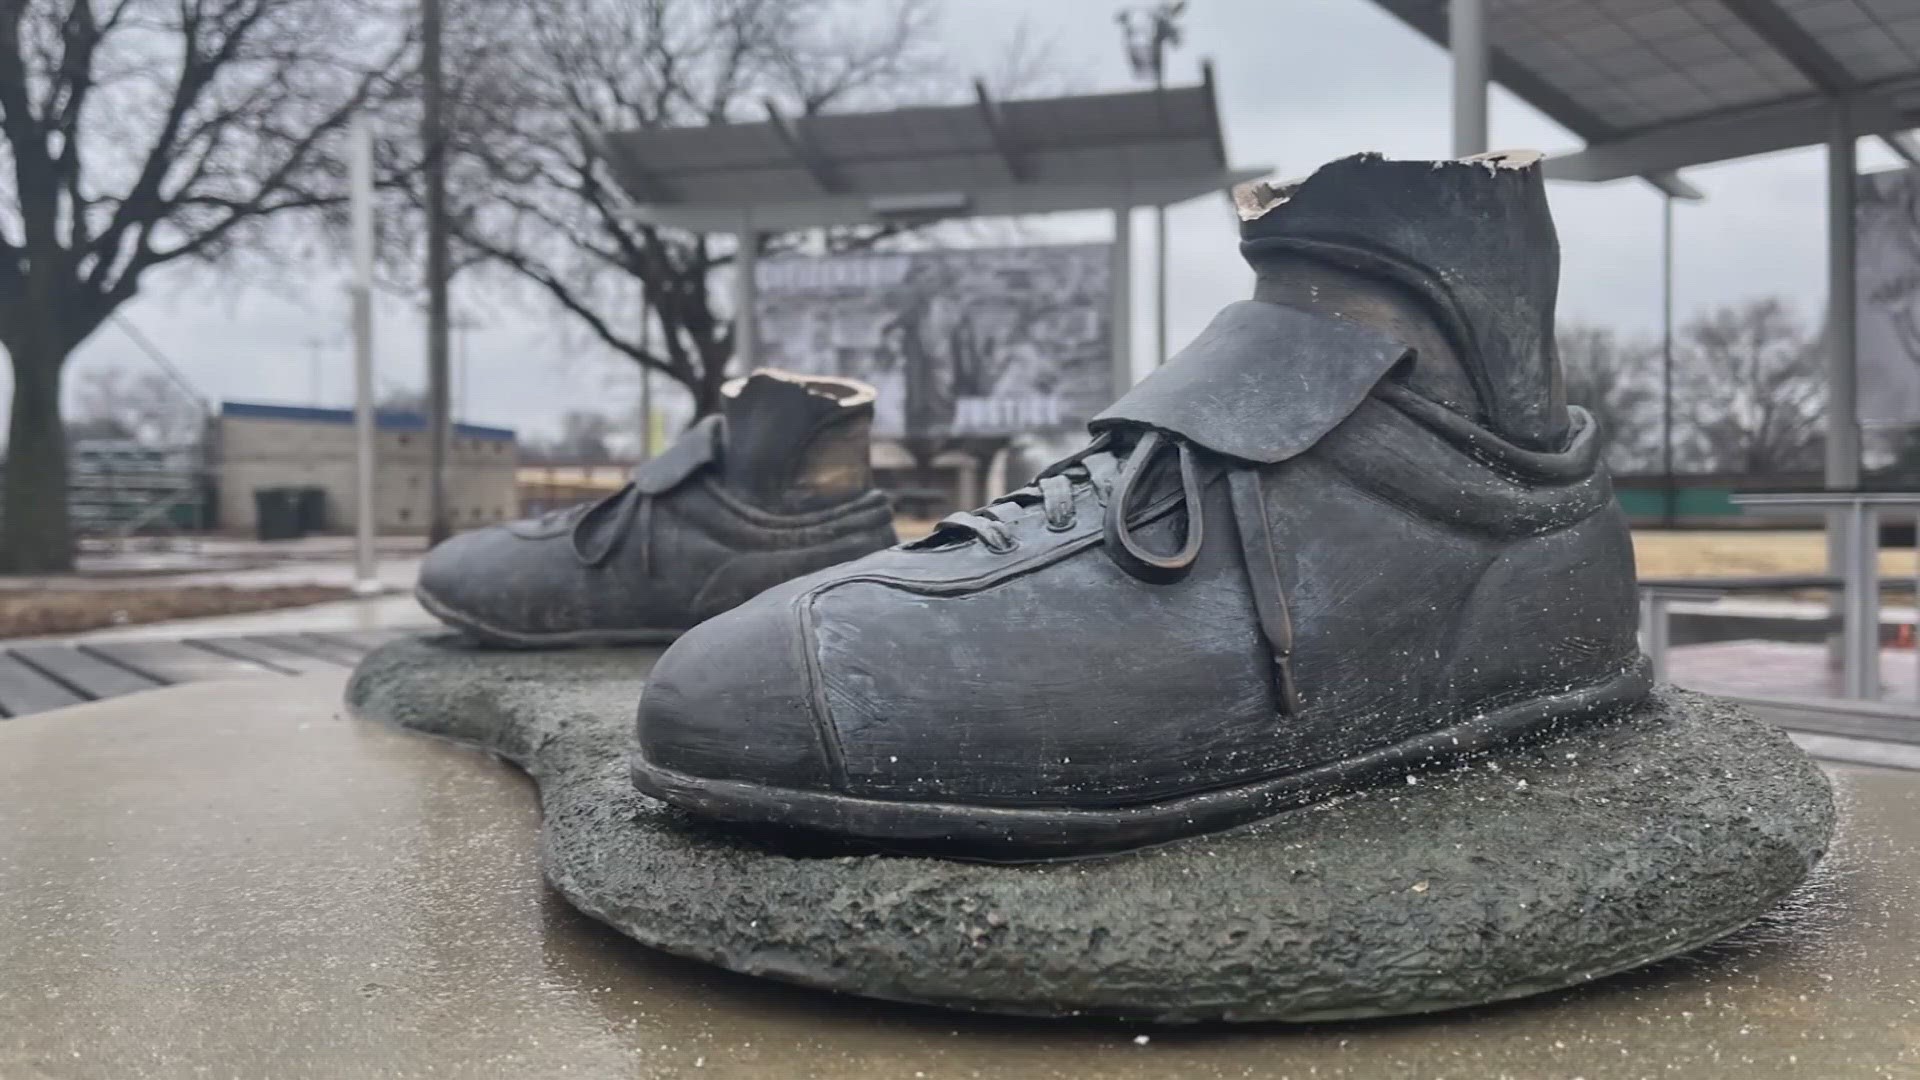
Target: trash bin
x,y
313,510
278,512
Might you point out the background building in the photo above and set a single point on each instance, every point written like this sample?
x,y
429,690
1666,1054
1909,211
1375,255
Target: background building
x,y
273,446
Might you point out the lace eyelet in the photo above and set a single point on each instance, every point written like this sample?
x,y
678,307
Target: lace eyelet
x,y
1064,526
1000,549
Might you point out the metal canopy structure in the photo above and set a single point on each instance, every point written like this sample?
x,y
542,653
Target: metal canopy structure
x,y
1658,85
1111,152
988,157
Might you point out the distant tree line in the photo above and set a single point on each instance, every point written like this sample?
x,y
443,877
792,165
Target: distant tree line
x,y
1749,392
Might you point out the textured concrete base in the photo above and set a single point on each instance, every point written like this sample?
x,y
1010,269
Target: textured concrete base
x,y
1542,867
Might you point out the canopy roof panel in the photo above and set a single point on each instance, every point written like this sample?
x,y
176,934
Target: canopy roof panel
x,y
1656,85
1147,147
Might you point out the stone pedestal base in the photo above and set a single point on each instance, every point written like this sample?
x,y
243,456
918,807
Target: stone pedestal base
x,y
1529,870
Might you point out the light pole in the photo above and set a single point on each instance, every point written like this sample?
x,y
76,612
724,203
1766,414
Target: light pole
x,y
463,324
366,572
315,344
1150,32
439,430
1671,512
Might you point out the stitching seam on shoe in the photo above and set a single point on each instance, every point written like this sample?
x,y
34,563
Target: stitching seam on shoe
x,y
820,709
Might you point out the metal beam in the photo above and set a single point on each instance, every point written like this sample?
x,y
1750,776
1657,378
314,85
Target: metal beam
x,y
804,151
1843,423
1804,120
639,185
1788,38
1000,200
1821,68
1670,185
1431,21
997,130
1903,144
1212,95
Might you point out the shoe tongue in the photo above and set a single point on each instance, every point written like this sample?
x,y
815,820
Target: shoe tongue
x,y
1262,383
696,448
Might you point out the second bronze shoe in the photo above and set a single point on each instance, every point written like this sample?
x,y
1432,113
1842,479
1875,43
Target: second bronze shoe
x,y
775,486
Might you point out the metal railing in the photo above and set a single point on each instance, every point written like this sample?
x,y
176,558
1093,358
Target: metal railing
x,y
1855,520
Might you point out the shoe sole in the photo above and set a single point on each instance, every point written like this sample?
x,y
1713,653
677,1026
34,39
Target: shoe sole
x,y
499,637
1050,833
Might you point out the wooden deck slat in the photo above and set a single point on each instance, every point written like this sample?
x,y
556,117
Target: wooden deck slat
x,y
253,648
93,677
313,645
24,690
173,662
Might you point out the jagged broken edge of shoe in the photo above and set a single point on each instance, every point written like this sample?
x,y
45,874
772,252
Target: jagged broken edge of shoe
x,y
1256,198
848,392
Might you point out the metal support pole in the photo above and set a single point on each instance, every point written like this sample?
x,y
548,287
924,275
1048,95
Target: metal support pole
x,y
1843,424
1843,427
433,137
1654,632
366,570
1467,41
1860,594
746,329
1160,285
1670,513
1122,300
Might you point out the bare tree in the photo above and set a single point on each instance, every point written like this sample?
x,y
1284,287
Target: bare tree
x,y
1616,381
532,193
117,403
140,133
585,439
1750,396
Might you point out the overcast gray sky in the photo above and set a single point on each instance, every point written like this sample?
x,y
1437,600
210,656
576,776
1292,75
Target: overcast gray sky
x,y
1301,82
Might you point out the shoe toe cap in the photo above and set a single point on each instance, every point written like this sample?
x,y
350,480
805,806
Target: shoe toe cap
x,y
733,700
458,573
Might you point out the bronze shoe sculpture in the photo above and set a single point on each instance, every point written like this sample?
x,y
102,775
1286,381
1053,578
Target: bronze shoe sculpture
x,y
1352,529
774,486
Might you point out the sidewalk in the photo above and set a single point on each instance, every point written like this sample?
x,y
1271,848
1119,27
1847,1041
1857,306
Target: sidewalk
x,y
219,560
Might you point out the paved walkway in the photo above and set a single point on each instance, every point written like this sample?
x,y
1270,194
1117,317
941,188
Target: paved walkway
x,y
239,880
40,678
1782,669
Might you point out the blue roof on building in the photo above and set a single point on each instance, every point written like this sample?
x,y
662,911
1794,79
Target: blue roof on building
x,y
384,419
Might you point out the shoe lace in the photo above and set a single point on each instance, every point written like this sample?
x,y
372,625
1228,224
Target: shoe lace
x,y
1115,480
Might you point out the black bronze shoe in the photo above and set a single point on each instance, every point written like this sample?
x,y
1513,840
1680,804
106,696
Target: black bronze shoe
x,y
776,486
1352,529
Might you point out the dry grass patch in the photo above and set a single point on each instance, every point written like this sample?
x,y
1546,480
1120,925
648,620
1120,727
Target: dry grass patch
x,y
1740,552
41,612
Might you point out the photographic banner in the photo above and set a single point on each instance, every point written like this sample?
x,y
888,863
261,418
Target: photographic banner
x,y
979,342
1888,316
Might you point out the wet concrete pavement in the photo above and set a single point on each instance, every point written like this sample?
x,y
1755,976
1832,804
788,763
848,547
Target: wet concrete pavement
x,y
238,880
